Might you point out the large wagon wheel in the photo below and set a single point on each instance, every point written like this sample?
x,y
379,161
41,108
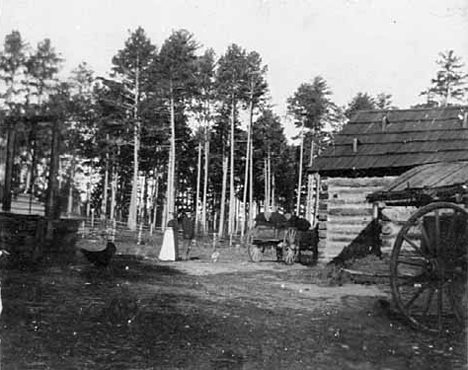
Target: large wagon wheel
x,y
255,252
428,267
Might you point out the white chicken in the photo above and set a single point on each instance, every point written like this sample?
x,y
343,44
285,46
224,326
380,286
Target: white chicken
x,y
215,256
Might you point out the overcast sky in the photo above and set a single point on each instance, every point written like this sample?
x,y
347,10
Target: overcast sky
x,y
356,45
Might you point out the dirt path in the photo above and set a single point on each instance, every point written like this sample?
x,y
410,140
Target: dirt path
x,y
201,315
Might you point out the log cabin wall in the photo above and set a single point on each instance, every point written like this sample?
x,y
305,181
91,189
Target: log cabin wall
x,y
344,212
391,220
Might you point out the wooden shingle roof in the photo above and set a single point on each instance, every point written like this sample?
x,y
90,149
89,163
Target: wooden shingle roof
x,y
427,183
392,141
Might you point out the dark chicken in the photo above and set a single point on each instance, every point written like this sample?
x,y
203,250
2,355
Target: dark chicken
x,y
100,258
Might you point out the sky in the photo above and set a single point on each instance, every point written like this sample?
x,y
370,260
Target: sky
x,y
368,46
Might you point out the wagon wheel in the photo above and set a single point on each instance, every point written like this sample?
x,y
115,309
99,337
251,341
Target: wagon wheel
x,y
255,252
428,267
292,247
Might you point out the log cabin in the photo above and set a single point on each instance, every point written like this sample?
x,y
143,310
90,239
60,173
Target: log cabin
x,y
371,151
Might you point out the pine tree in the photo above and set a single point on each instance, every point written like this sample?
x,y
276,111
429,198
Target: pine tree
x,y
131,67
12,65
362,101
204,110
449,87
309,106
257,89
231,78
175,71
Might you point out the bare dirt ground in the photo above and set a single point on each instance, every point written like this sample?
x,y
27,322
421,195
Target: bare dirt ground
x,y
196,314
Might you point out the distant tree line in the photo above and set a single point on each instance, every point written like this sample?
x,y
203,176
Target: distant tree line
x,y
174,127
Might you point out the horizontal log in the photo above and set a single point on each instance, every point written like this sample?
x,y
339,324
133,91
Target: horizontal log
x,y
353,199
364,273
340,238
322,225
345,231
350,219
322,217
345,190
322,244
359,182
357,206
337,225
350,212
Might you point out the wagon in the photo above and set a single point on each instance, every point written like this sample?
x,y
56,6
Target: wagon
x,y
429,259
287,243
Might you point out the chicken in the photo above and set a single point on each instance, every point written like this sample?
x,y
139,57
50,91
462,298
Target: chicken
x,y
100,258
215,256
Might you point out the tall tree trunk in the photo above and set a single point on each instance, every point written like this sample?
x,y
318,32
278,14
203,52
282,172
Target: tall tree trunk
x,y
247,166
251,186
273,191
205,183
105,185
155,200
310,186
231,179
144,201
171,168
265,185
33,166
223,197
113,193
10,158
52,186
132,214
70,188
270,200
197,196
299,182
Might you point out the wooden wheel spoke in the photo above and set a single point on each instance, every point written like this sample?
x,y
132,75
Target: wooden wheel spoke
x,y
451,229
411,279
428,302
426,241
412,262
439,306
413,245
437,233
455,271
457,310
415,296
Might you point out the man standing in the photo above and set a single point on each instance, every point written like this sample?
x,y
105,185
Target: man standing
x,y
188,231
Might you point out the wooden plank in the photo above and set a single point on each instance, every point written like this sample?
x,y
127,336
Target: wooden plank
x,y
353,190
347,182
350,212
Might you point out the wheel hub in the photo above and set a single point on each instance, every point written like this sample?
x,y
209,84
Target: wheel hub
x,y
435,268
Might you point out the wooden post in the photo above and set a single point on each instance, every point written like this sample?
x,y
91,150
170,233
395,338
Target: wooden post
x,y
299,183
317,198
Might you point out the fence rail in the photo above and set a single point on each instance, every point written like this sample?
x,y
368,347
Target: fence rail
x,y
116,230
